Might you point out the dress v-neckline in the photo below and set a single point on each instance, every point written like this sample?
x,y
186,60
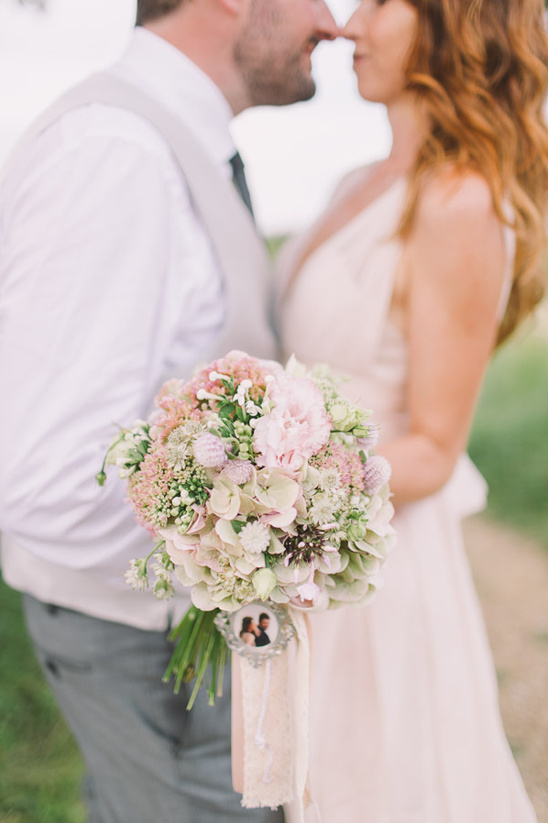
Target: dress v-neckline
x,y
341,231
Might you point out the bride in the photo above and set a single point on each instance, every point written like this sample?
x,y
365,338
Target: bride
x,y
421,264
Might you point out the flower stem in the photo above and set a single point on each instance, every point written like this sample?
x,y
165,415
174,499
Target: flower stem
x,y
198,643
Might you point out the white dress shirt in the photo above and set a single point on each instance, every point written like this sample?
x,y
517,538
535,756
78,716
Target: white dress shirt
x,y
108,286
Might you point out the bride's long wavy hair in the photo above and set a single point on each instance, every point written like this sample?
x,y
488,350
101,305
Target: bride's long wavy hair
x,y
480,67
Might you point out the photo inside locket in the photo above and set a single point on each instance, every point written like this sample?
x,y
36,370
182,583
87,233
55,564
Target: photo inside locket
x,y
255,626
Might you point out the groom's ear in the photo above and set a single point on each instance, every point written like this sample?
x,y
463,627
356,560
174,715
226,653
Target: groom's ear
x,y
238,8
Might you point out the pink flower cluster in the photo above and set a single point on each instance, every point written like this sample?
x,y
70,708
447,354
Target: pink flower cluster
x,y
148,490
237,365
178,402
347,463
173,407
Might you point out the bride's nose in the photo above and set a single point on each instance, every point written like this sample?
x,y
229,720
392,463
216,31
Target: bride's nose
x,y
353,29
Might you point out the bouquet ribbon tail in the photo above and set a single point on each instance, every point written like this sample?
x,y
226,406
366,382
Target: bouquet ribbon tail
x,y
270,727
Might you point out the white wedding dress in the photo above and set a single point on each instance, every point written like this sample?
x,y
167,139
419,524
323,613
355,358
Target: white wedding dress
x,y
404,708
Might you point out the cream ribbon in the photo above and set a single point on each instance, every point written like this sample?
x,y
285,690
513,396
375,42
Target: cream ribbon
x,y
270,726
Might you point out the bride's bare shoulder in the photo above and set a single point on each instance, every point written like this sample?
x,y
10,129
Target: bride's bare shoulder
x,y
457,246
351,181
450,195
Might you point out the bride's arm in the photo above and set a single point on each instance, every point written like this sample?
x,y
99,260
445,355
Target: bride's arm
x,y
454,272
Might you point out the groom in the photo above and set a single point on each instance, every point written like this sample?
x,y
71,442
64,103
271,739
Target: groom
x,y
129,255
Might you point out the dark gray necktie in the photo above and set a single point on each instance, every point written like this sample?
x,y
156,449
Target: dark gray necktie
x,y
238,177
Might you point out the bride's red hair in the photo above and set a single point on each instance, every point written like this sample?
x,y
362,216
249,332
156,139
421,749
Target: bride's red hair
x,y
480,67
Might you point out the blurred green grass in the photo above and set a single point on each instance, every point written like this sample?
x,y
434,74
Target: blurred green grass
x,y
509,442
40,768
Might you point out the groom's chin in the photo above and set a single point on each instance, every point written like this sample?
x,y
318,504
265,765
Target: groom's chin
x,y
302,88
286,96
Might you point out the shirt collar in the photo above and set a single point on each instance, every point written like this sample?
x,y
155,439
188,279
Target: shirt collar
x,y
175,81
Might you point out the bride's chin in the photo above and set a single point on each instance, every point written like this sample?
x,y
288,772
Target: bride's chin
x,y
364,89
369,96
371,92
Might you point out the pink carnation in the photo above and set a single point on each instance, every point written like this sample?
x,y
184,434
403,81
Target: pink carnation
x,y
296,428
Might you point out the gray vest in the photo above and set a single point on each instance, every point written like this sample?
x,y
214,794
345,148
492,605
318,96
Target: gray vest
x,y
240,253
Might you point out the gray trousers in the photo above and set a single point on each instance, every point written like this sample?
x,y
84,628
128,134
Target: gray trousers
x,y
148,760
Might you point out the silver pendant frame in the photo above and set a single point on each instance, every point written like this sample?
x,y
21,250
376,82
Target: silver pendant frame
x,y
230,626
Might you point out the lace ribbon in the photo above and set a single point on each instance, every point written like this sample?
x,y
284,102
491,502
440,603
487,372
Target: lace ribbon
x,y
270,726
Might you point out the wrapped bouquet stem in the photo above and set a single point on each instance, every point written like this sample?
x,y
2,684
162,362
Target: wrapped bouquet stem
x,y
258,486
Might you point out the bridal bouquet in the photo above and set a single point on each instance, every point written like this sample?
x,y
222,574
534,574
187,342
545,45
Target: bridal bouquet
x,y
257,484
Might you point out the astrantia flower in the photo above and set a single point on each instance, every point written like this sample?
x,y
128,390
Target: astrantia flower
x,y
322,510
178,449
337,457
255,538
296,428
330,479
209,451
376,472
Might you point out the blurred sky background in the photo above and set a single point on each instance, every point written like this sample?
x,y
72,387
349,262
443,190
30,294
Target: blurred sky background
x,y
294,155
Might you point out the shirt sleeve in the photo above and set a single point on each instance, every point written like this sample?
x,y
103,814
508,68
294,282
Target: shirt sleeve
x,y
83,272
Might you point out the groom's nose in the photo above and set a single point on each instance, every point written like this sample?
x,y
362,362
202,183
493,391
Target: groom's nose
x,y
326,25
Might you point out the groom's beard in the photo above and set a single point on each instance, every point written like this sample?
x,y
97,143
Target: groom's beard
x,y
271,85
275,71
